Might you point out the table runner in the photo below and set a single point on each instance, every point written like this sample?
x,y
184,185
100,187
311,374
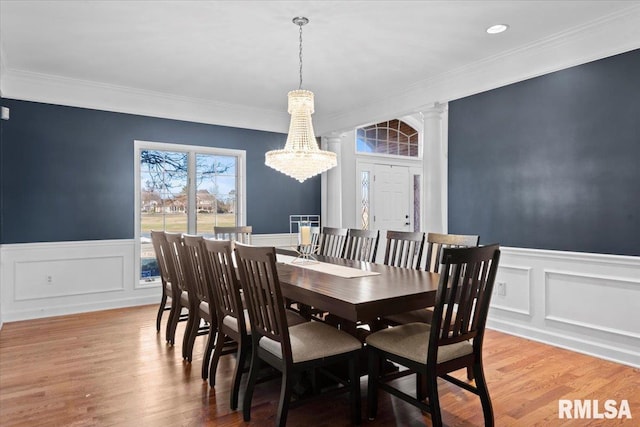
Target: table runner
x,y
324,267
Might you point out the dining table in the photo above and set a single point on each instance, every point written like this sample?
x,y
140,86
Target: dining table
x,y
357,292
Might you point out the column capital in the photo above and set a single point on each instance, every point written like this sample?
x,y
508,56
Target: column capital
x,y
433,111
334,137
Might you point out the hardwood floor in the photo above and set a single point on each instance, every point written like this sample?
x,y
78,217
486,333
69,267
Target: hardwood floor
x,y
110,368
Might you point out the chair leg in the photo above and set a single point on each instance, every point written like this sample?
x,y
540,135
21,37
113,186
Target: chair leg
x,y
217,352
421,386
237,376
470,375
372,384
483,392
434,403
172,323
285,397
190,333
163,303
251,384
354,379
206,360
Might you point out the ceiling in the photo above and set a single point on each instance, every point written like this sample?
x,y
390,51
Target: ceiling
x,y
244,54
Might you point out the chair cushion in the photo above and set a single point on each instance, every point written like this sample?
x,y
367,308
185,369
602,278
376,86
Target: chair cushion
x,y
412,342
232,323
184,298
313,340
294,318
204,307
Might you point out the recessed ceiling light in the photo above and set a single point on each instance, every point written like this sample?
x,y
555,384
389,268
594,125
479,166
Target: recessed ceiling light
x,y
496,29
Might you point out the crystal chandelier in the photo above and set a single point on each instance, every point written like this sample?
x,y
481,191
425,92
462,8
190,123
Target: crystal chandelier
x,y
301,158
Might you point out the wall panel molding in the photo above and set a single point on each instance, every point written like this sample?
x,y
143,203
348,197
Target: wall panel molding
x,y
583,302
518,297
601,294
56,278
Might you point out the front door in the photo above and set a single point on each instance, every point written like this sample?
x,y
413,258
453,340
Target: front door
x,y
391,198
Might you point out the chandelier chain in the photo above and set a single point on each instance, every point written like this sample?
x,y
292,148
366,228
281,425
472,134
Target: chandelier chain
x,y
300,56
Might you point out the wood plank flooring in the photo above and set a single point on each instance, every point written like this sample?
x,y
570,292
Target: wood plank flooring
x,y
110,368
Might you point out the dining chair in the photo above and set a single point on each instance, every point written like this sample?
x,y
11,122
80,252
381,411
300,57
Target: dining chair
x,y
361,245
180,298
241,233
332,241
159,241
455,342
232,322
233,319
289,349
404,249
435,244
200,301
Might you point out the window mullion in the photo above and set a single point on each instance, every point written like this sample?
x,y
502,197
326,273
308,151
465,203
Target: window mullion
x,y
191,193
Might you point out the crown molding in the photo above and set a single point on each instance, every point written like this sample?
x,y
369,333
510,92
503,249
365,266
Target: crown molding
x,y
607,36
29,86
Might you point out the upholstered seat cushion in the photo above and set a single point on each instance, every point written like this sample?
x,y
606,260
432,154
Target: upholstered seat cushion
x,y
313,340
184,297
412,342
204,307
232,323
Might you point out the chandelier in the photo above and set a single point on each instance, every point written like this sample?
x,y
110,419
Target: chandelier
x,y
301,158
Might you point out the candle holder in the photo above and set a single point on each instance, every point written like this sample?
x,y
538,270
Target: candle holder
x,y
307,247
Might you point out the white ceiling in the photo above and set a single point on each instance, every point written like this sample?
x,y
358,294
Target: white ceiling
x,y
244,54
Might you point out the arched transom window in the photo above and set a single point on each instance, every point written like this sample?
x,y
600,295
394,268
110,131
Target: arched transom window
x,y
394,137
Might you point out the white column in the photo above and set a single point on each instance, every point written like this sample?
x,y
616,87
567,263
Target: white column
x,y
332,189
434,170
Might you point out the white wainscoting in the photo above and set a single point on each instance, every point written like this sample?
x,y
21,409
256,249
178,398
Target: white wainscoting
x,y
588,303
51,279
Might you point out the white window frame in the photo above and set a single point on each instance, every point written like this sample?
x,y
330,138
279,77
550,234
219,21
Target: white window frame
x,y
411,121
192,150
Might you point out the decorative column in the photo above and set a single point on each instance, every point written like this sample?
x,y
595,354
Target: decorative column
x,y
332,185
435,168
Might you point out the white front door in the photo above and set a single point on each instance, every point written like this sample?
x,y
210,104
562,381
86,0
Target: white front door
x,y
391,198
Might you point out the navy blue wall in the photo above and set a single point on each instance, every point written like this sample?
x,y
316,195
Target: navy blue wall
x,y
551,162
67,174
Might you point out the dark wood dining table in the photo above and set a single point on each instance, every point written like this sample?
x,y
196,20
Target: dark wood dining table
x,y
359,299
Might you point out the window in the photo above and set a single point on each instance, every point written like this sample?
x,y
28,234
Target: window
x,y
184,189
394,137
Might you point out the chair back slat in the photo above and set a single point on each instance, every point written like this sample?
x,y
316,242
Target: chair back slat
x,y
240,233
332,241
404,249
195,269
361,245
176,252
259,280
161,248
464,292
225,284
436,242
